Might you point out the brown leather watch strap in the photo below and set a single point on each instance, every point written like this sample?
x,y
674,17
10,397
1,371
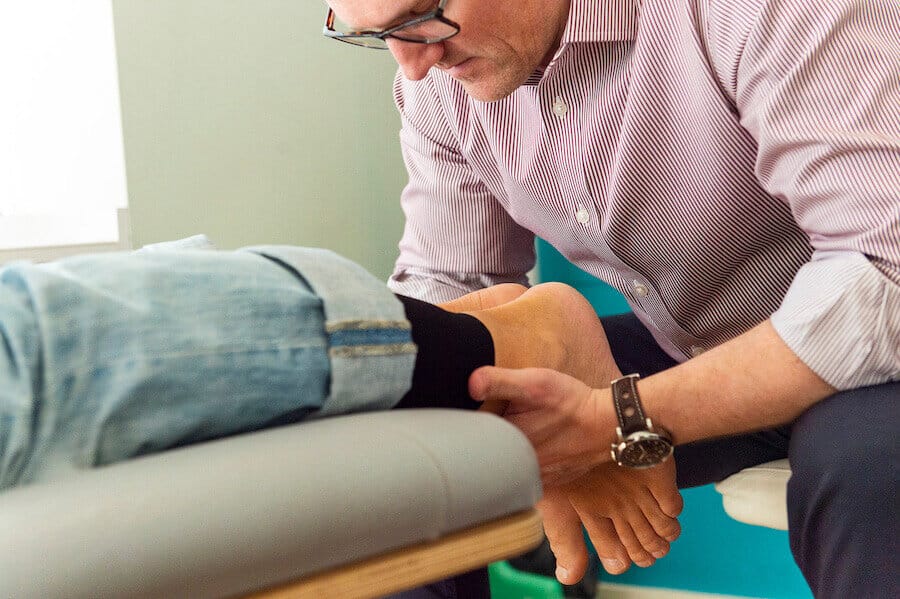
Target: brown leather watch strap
x,y
629,411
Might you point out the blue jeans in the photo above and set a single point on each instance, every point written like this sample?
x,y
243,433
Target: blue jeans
x,y
107,357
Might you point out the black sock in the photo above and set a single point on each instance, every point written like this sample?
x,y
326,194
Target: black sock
x,y
451,347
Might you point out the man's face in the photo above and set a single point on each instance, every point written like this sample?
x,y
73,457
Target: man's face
x,y
499,45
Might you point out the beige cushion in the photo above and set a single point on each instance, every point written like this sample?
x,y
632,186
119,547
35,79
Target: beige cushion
x,y
758,495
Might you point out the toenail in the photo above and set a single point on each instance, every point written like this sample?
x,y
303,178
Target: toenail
x,y
611,565
659,554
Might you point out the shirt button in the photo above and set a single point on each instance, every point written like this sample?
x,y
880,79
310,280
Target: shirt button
x,y
559,107
696,350
582,216
640,289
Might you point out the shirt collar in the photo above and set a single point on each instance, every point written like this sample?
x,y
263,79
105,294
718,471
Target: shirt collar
x,y
601,21
595,21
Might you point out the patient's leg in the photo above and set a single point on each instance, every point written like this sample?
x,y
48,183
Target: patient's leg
x,y
110,356
450,347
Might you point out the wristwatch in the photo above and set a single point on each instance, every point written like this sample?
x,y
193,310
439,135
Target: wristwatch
x,y
639,444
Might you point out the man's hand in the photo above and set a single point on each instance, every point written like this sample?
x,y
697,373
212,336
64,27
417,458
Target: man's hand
x,y
482,299
559,414
562,525
629,514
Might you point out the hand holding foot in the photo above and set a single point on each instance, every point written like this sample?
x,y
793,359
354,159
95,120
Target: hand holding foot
x,y
559,414
630,515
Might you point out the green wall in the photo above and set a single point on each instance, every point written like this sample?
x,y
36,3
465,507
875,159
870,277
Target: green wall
x,y
242,122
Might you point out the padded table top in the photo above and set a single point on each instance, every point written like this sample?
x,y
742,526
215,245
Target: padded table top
x,y
253,511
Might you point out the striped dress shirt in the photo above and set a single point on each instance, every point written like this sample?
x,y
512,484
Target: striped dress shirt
x,y
719,162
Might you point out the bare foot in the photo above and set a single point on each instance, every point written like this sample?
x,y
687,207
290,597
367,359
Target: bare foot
x,y
625,515
551,326
483,299
630,515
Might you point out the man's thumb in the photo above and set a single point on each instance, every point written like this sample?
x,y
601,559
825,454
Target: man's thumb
x,y
505,384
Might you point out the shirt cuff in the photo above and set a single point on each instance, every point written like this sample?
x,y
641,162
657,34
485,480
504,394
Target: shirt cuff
x,y
840,318
370,344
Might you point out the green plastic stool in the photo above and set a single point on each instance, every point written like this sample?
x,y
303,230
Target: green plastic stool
x,y
509,583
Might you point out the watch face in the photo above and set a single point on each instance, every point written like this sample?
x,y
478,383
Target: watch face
x,y
644,450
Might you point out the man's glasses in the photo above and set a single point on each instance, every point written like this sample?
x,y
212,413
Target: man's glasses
x,y
429,28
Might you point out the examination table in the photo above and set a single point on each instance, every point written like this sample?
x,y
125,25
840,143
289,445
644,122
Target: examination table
x,y
354,506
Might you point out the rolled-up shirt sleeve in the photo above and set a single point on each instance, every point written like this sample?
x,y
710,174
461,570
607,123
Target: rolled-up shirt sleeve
x,y
819,89
457,236
841,317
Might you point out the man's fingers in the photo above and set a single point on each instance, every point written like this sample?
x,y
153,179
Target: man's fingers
x,y
490,382
563,529
664,527
530,386
669,500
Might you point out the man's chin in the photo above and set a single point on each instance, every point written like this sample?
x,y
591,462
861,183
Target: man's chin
x,y
486,81
486,91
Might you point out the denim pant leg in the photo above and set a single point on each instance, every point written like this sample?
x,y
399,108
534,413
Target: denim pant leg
x,y
107,357
141,353
843,494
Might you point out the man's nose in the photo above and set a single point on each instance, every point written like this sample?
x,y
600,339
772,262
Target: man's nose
x,y
415,59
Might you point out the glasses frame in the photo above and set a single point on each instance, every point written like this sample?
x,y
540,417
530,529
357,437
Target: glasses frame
x,y
437,14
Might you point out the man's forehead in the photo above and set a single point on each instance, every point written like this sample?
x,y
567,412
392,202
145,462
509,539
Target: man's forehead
x,y
367,14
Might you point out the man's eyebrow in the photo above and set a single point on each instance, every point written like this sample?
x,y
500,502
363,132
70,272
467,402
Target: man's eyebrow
x,y
418,8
